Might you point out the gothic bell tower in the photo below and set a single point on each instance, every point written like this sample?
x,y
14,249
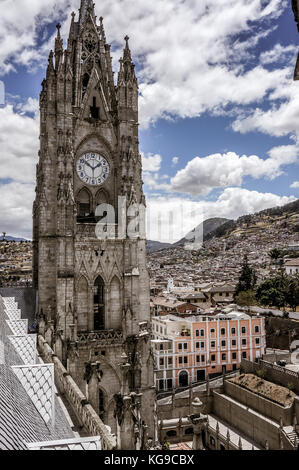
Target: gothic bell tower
x,y
91,276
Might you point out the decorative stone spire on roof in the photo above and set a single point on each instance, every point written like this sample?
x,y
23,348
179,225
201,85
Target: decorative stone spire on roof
x,y
87,6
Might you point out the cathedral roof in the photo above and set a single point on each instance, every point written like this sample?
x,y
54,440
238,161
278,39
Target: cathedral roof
x,y
30,409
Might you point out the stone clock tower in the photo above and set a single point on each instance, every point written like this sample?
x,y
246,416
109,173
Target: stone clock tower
x,y
93,291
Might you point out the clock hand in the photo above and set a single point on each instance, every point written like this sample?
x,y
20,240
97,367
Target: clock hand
x,y
86,163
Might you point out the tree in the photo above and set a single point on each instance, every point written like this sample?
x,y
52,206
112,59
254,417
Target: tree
x,y
247,279
246,298
272,291
292,292
275,254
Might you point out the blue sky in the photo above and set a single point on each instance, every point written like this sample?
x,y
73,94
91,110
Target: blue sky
x,y
219,110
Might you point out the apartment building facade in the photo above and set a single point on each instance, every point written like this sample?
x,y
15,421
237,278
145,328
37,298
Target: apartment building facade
x,y
189,350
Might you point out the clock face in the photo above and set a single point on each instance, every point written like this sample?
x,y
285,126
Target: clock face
x,y
93,169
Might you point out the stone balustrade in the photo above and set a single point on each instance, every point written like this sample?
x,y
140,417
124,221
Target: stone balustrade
x,y
101,338
85,414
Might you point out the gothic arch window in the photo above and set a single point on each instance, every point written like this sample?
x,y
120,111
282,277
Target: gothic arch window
x,y
101,402
99,304
101,197
115,314
82,304
83,200
85,81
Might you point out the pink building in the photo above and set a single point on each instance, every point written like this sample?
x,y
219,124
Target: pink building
x,y
187,350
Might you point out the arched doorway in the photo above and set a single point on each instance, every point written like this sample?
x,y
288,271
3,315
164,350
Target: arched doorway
x,y
183,379
99,304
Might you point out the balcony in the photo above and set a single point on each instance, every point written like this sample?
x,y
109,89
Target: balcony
x,y
101,338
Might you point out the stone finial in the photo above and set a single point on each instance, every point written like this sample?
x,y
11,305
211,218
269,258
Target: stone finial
x,y
240,444
267,445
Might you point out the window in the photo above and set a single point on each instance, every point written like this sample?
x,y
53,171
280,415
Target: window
x,y
202,345
197,345
257,329
213,357
185,359
170,361
169,384
227,294
99,304
223,357
197,333
244,342
202,332
83,204
234,342
85,83
233,331
234,356
213,344
220,294
180,360
161,384
185,346
197,359
101,402
203,359
223,344
180,346
244,354
171,433
94,110
161,347
212,331
162,361
222,331
257,340
243,330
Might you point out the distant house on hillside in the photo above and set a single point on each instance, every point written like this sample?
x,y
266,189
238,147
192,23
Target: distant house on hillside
x,y
292,266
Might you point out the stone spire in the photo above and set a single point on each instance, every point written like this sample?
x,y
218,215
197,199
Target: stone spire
x,y
87,6
58,47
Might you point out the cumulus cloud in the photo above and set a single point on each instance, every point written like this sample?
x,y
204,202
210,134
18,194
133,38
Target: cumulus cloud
x,y
19,155
202,175
169,219
151,162
280,119
16,209
295,185
19,145
279,53
189,53
175,161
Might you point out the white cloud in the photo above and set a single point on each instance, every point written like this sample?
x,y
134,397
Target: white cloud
x,y
189,52
19,145
279,53
175,161
169,219
16,209
150,162
295,185
282,118
202,175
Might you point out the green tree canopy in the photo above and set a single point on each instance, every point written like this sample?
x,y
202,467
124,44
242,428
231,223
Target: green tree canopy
x,y
247,279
